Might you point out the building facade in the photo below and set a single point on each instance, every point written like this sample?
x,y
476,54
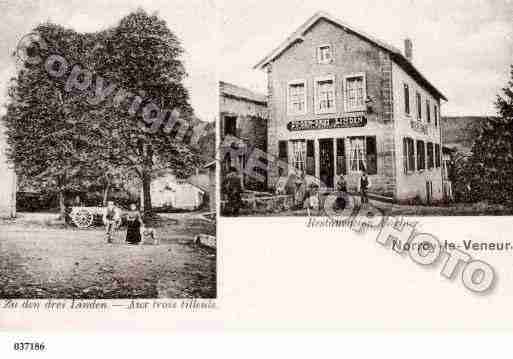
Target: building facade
x,y
342,102
243,127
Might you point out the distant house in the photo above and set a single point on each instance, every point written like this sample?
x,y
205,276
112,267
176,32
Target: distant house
x,y
168,192
242,125
7,181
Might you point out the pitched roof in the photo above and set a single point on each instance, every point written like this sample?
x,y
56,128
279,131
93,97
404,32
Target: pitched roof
x,y
395,53
238,92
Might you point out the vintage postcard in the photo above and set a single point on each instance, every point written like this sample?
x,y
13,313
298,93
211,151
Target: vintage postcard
x,y
108,176
216,164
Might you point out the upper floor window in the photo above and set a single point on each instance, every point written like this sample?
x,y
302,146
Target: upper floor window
x,y
296,98
325,95
436,115
324,55
428,111
419,106
355,92
406,99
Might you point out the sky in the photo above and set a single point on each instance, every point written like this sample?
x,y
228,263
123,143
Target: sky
x,y
464,47
193,21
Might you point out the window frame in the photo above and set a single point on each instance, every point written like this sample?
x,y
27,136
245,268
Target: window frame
x,y
317,80
418,102
357,108
363,157
437,115
290,110
428,110
420,155
318,53
294,159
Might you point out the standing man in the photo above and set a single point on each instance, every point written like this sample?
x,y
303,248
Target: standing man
x,y
111,220
232,189
365,184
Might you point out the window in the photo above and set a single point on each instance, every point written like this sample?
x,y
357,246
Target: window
x,y
419,106
324,95
355,93
341,156
298,154
408,155
230,125
430,157
324,54
282,156
406,99
436,115
296,98
421,155
428,111
357,154
437,155
310,157
372,163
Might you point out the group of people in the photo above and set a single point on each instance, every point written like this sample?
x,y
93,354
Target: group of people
x,y
112,220
305,196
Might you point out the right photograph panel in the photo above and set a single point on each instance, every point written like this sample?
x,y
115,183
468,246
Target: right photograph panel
x,y
333,119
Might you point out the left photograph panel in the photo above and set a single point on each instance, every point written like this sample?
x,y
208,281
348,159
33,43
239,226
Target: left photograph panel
x,y
107,150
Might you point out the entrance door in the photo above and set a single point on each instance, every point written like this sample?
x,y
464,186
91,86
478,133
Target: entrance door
x,y
326,161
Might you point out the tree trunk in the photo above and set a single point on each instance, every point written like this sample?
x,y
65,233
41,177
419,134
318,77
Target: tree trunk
x,y
62,206
146,183
106,194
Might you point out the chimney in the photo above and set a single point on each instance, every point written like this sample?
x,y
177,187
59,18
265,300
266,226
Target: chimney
x,y
408,49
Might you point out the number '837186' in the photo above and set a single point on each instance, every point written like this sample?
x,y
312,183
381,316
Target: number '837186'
x,y
28,346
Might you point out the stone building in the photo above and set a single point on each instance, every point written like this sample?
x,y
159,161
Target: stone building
x,y
341,101
7,182
243,127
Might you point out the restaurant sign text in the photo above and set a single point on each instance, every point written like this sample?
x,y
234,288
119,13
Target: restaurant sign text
x,y
327,123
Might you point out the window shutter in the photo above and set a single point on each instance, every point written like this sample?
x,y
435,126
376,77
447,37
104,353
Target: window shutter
x,y
341,156
310,157
372,166
405,155
406,99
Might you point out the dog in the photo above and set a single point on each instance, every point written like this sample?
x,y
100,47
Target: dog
x,y
149,235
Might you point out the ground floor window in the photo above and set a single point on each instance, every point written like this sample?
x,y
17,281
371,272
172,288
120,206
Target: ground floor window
x,y
357,154
310,157
362,154
341,156
437,155
430,155
298,154
408,155
421,155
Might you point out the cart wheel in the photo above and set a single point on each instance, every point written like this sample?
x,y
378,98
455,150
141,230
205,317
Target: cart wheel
x,y
82,218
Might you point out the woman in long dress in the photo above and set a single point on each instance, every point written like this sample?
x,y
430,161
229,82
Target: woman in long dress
x,y
134,222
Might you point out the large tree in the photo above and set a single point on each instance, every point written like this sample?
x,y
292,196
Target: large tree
x,y
47,142
142,56
492,153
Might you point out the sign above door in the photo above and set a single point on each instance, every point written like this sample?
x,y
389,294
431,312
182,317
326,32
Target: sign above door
x,y
327,123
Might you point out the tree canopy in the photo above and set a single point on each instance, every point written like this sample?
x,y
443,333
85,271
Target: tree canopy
x,y
92,114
